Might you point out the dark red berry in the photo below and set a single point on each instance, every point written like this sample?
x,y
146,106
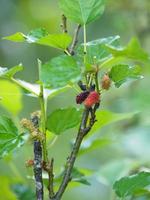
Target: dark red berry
x,y
81,97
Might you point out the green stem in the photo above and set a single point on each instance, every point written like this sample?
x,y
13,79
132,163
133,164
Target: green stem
x,y
96,81
43,122
43,105
85,39
67,52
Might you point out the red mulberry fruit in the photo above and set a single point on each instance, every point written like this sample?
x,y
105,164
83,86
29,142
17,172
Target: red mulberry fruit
x,y
92,99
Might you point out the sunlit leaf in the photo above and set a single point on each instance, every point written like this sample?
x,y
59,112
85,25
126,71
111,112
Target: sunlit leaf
x,y
59,71
62,119
9,136
17,37
128,185
60,41
41,36
11,96
31,37
121,73
82,11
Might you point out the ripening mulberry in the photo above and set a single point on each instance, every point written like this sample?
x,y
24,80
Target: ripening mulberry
x,y
92,99
81,97
106,82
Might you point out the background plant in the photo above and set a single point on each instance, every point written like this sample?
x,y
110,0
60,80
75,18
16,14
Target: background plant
x,y
130,52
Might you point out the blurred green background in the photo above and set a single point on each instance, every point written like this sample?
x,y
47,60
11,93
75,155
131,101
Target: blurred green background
x,y
129,148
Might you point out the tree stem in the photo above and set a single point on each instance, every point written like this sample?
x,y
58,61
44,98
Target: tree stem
x,y
37,161
75,39
71,160
64,24
38,169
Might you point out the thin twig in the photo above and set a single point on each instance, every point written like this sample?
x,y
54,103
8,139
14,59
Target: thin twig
x,y
38,169
64,24
37,162
83,130
50,178
75,39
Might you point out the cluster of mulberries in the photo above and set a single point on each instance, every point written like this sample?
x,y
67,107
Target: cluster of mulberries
x,y
87,97
91,97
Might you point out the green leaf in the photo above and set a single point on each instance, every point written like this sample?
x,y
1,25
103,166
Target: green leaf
x,y
31,37
41,36
9,137
63,119
17,37
121,73
82,11
128,185
10,95
36,34
96,50
59,71
9,73
133,51
78,176
105,117
60,41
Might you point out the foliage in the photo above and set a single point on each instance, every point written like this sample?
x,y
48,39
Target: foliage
x,y
10,138
83,71
129,185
